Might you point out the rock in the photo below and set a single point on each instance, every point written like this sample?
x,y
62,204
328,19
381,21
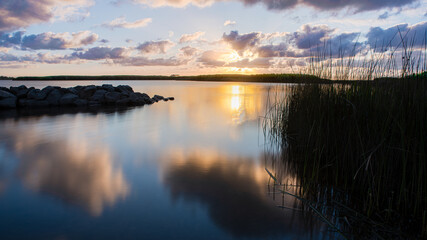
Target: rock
x,y
15,90
124,89
47,90
6,94
80,102
68,99
98,96
108,87
22,93
123,102
171,98
5,89
36,94
158,98
112,97
38,103
8,102
92,96
32,103
72,90
87,92
54,97
78,88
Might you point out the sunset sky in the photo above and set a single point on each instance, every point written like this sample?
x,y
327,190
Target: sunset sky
x,y
189,37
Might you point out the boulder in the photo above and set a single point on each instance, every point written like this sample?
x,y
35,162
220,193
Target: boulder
x,y
54,97
8,102
123,102
6,94
15,90
80,102
112,97
87,92
98,96
72,90
32,103
5,89
68,99
108,87
22,93
47,90
124,89
38,104
36,94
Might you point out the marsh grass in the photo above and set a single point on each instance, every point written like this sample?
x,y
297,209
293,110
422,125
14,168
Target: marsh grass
x,y
359,150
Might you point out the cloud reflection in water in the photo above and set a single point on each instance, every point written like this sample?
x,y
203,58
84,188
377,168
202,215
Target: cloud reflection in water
x,y
234,192
77,171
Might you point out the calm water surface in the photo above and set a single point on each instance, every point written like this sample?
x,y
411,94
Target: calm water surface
x,y
192,168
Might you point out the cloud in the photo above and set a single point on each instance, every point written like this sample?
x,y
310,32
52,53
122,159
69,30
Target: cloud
x,y
152,47
189,51
229,23
190,37
99,53
380,38
212,58
56,41
325,5
11,39
15,14
143,61
272,50
50,41
385,15
121,23
255,63
175,3
308,36
242,42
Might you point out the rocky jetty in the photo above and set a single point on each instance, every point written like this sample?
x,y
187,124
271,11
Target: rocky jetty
x,y
79,96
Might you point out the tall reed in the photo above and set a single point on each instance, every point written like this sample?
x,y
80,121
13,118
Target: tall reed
x,y
362,148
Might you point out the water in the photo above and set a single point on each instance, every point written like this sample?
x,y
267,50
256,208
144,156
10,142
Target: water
x,y
192,168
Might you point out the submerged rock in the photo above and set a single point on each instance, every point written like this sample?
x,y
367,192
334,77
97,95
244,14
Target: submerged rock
x,y
79,96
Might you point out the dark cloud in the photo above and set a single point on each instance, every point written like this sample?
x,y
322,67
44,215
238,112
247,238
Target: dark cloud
x,y
34,58
385,15
380,38
242,42
58,41
273,50
50,41
310,36
98,53
325,5
10,39
152,47
21,13
358,5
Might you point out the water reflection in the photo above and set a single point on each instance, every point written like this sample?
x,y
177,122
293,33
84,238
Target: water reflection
x,y
234,191
77,172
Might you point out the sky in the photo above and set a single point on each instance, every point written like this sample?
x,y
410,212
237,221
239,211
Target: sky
x,y
191,37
